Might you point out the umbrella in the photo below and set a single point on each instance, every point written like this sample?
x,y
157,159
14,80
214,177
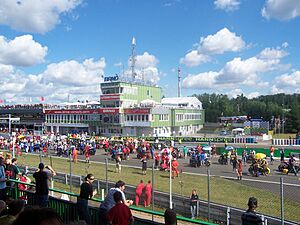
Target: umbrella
x,y
229,148
21,136
207,148
260,156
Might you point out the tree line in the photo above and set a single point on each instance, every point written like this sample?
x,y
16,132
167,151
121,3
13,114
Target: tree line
x,y
279,108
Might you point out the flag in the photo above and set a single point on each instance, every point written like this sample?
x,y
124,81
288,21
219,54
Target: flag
x,y
42,98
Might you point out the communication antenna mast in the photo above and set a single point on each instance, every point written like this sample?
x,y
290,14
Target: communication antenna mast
x,y
179,77
133,59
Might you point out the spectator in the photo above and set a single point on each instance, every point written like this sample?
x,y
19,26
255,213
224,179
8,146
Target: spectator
x,y
2,180
14,209
12,170
109,202
38,216
282,154
170,217
272,154
139,192
194,198
148,194
42,179
86,192
120,214
118,163
239,169
250,217
144,165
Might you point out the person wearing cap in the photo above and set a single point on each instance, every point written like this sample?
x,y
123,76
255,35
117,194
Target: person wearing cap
x,y
86,192
250,217
42,178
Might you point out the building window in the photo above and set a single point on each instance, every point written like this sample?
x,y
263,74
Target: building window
x,y
164,117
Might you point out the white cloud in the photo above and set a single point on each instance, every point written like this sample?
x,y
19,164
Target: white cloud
x,y
145,60
227,5
193,58
222,41
271,53
254,94
75,73
281,9
288,80
234,93
202,80
219,43
21,51
34,16
6,70
80,80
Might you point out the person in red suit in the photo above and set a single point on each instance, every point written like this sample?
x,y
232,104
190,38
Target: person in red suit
x,y
174,168
138,192
148,194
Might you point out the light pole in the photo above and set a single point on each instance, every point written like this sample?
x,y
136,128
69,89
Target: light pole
x,y
171,203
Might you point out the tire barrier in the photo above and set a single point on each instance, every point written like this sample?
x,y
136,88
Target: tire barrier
x,y
285,142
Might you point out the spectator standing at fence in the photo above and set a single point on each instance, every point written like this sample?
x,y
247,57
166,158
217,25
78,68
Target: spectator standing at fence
x,y
239,169
12,170
42,178
282,154
86,192
144,165
250,217
74,154
2,180
170,217
109,202
148,194
138,192
120,214
193,202
118,163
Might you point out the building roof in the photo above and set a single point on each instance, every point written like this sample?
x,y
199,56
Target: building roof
x,y
192,102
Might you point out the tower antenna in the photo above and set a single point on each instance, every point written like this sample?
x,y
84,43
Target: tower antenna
x,y
179,77
133,59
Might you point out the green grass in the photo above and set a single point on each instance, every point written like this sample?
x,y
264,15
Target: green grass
x,y
223,191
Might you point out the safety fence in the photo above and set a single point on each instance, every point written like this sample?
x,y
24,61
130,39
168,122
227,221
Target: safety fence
x,y
286,142
222,200
67,208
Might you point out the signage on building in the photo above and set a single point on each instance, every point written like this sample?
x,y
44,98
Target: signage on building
x,y
83,111
109,97
112,78
109,111
137,111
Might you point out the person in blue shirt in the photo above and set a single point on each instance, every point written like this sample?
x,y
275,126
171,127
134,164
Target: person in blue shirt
x,y
109,202
2,180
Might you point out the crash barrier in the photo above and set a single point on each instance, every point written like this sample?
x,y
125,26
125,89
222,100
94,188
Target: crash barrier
x,y
216,213
266,151
195,139
67,208
285,142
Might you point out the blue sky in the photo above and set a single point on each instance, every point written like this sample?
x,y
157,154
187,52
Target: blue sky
x,y
60,49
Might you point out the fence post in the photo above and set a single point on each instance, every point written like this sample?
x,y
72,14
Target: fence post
x,y
208,193
106,174
152,190
80,180
281,201
228,216
70,173
198,207
66,178
98,186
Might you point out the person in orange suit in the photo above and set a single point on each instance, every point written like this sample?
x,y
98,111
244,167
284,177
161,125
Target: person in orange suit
x,y
74,153
175,168
148,194
139,192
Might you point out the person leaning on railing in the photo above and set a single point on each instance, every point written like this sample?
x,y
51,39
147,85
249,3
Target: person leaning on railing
x,y
86,192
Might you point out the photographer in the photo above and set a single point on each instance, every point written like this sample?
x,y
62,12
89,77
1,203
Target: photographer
x,y
42,178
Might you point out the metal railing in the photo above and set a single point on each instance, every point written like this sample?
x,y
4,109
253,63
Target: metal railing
x,y
67,208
